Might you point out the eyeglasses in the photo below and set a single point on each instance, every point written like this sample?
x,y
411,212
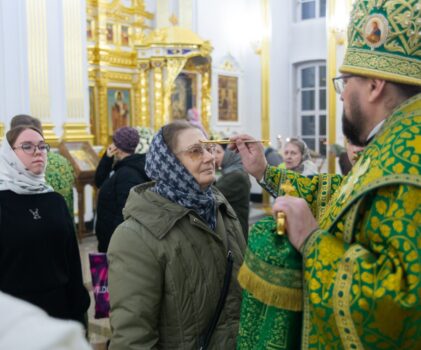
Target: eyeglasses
x,y
340,82
197,150
30,148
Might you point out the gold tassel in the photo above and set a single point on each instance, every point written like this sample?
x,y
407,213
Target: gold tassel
x,y
281,297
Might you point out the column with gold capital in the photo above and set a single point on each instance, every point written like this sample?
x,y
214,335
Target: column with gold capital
x,y
142,95
38,65
158,96
206,98
103,123
76,127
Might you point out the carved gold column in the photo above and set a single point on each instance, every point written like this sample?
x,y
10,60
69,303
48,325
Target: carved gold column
x,y
103,124
265,81
157,67
38,67
206,98
143,101
76,129
331,109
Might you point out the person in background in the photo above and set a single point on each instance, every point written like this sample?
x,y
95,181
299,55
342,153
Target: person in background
x,y
59,173
273,157
234,183
39,254
297,157
24,326
361,266
347,155
168,259
118,171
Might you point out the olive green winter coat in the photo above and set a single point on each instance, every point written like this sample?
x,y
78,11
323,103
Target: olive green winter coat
x,y
166,272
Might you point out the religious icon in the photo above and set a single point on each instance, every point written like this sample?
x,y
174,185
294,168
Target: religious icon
x,y
375,31
227,98
118,109
110,32
124,35
183,96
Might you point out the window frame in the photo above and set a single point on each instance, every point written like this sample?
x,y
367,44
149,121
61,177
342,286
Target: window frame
x,y
317,112
317,4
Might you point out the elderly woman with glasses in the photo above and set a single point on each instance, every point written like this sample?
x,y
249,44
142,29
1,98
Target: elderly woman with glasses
x,y
174,260
39,256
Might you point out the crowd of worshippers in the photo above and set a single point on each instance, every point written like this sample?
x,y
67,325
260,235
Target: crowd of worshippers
x,y
339,269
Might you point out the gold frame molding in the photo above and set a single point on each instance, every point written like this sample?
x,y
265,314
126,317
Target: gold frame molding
x,y
1,131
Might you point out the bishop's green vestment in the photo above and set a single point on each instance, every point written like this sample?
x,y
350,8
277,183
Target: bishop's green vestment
x,y
362,268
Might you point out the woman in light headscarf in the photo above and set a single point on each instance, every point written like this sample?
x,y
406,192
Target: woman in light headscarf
x,y
39,255
297,158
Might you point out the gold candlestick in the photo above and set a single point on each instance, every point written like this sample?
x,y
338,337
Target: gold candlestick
x,y
280,216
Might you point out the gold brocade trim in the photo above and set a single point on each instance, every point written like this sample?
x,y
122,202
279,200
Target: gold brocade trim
x,y
350,220
306,320
342,299
322,195
383,66
270,294
306,305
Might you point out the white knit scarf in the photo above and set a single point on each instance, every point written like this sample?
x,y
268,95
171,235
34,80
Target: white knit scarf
x,y
15,177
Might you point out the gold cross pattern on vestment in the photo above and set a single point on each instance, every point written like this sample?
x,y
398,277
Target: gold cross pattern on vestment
x,y
280,216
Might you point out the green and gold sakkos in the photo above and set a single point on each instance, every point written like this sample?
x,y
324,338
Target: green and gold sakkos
x,y
362,269
60,176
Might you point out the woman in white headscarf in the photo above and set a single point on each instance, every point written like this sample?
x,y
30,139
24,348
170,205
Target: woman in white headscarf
x,y
297,158
39,256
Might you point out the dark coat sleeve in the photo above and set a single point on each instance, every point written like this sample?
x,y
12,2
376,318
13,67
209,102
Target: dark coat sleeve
x,y
78,295
103,170
126,178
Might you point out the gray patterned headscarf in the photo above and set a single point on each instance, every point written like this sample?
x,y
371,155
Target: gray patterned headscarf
x,y
174,181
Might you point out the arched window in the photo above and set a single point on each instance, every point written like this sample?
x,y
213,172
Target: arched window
x,y
311,105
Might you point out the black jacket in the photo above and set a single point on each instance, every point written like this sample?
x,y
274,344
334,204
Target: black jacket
x,y
114,184
39,254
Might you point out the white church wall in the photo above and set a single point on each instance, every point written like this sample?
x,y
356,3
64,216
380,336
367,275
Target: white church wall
x,y
14,93
56,82
292,43
226,24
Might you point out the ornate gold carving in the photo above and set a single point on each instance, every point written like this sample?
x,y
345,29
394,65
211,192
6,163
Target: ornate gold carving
x,y
206,99
173,19
49,134
122,59
157,66
174,67
76,132
143,92
103,116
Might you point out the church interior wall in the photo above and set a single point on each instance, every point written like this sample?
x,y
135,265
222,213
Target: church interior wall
x,y
14,93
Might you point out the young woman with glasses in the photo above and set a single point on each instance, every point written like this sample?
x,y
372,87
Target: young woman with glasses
x,y
39,256
168,258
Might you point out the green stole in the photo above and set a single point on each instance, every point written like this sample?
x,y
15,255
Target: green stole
x,y
272,296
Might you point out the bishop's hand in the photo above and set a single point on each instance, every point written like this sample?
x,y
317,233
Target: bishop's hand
x,y
299,220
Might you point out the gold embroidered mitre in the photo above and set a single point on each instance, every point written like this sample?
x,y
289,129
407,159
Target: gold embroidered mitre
x,y
384,41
